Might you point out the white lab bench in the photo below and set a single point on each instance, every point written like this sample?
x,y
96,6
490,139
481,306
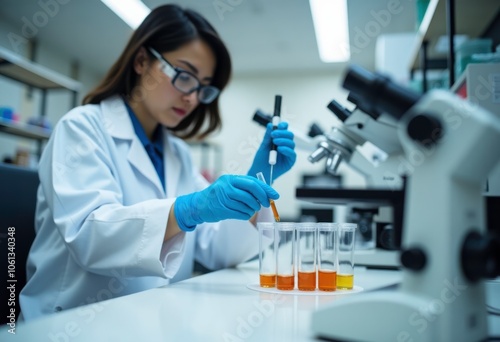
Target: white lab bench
x,y
216,306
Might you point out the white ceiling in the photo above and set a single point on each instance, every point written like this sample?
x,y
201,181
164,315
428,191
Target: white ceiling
x,y
262,35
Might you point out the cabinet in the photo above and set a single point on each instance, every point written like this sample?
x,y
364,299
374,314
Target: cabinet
x,y
448,18
26,72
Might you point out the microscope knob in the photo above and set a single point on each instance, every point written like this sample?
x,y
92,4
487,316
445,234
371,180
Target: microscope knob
x,y
413,259
425,129
481,256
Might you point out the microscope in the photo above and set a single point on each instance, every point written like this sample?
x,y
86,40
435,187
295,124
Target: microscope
x,y
367,141
446,250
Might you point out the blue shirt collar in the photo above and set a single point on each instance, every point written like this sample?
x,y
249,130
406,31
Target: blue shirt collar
x,y
156,142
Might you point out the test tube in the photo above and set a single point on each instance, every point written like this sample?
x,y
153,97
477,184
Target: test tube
x,y
285,247
306,256
267,257
345,275
260,176
327,256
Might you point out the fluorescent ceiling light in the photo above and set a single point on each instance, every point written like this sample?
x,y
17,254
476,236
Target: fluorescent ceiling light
x,y
330,25
132,12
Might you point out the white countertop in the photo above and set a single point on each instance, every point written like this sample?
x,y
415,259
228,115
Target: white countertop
x,y
216,306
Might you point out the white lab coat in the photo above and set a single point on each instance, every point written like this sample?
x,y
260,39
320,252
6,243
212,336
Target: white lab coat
x,y
102,213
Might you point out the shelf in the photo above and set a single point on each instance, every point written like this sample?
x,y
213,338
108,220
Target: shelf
x,y
22,70
336,196
471,18
24,130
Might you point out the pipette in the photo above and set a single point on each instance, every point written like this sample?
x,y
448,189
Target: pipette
x,y
260,176
273,154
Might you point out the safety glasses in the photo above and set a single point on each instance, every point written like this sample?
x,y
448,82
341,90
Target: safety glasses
x,y
186,82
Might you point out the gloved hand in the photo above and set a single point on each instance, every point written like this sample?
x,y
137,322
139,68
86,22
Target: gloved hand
x,y
229,197
283,139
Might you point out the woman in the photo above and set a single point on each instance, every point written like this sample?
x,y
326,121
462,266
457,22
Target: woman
x,y
121,208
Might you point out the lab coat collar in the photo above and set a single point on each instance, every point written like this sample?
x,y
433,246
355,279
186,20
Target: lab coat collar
x,y
172,163
119,126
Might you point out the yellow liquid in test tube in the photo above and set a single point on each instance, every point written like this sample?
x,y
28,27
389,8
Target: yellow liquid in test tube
x,y
345,281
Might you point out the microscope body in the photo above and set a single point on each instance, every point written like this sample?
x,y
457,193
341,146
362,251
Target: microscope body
x,y
370,146
346,142
452,146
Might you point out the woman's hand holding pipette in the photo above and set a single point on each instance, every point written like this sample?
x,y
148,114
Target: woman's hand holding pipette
x,y
283,139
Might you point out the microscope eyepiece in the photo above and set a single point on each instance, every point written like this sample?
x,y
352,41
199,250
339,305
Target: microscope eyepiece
x,y
261,118
378,92
339,111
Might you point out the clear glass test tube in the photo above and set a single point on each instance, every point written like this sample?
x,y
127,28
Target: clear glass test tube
x,y
327,256
267,256
285,247
260,176
306,256
345,275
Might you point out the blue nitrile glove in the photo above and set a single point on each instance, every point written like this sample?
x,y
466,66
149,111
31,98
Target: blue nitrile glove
x,y
283,139
229,197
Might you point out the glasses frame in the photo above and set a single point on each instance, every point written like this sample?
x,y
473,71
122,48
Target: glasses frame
x,y
174,72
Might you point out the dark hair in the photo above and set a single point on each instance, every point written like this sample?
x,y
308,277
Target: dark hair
x,y
165,29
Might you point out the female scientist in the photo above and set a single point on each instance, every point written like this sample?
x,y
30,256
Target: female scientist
x,y
121,207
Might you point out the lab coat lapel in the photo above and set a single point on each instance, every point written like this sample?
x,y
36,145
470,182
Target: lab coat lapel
x,y
119,126
172,165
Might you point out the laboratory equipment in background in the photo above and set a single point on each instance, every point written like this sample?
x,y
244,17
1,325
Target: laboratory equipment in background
x,y
368,144
447,250
366,140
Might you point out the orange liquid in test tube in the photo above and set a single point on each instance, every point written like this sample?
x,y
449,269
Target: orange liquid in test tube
x,y
306,281
268,280
327,280
285,282
275,211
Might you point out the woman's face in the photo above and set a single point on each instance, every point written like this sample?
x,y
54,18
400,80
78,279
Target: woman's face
x,y
155,100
